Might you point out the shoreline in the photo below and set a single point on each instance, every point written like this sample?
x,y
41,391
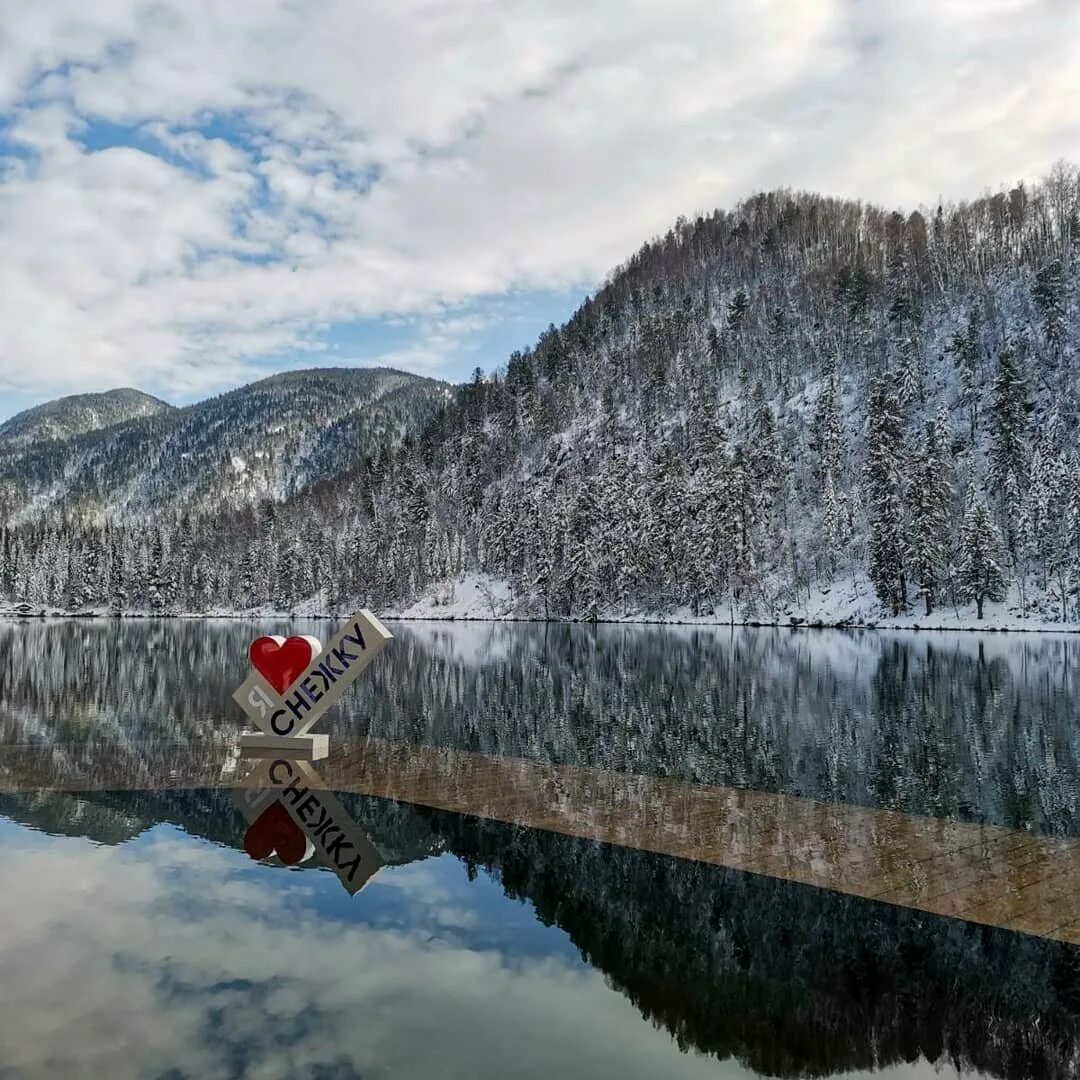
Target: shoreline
x,y
757,624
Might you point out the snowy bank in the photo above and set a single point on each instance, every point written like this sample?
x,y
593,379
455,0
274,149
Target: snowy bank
x,y
846,604
843,604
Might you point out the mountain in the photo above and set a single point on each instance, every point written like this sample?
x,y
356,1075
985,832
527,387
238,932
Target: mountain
x,y
70,416
261,441
800,406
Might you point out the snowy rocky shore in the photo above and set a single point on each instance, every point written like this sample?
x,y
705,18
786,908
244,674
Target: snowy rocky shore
x,y
475,598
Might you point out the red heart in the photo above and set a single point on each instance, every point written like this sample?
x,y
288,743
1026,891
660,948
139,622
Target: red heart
x,y
273,830
282,661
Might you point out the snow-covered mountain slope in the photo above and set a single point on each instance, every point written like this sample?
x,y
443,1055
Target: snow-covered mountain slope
x,y
70,416
756,408
261,441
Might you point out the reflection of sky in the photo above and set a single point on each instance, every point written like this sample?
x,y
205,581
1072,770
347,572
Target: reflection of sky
x,y
171,953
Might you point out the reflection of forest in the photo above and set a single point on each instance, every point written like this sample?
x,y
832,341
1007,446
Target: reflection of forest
x,y
791,980
966,726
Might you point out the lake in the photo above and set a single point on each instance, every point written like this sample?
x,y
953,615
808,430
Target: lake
x,y
607,852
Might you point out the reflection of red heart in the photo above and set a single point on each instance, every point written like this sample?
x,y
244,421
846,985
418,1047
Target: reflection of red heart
x,y
282,661
273,830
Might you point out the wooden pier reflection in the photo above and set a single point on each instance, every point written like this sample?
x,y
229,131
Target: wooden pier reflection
x,y
981,873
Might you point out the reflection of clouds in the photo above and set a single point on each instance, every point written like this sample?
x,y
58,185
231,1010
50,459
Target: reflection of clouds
x,y
425,893
168,954
129,961
420,881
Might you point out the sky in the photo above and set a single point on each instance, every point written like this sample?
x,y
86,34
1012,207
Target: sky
x,y
194,194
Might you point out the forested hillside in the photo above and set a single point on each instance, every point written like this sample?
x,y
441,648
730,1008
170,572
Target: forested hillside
x,y
798,395
265,440
78,414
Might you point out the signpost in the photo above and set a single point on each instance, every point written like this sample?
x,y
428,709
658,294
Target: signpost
x,y
289,812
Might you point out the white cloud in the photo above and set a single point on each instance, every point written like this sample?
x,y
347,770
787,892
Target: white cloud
x,y
437,340
299,164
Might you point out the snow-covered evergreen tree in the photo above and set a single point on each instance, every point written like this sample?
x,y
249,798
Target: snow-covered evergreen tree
x,y
966,350
980,575
1008,446
930,495
882,471
827,435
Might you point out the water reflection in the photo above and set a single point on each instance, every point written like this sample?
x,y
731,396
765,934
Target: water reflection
x,y
786,980
972,727
167,958
165,936
293,818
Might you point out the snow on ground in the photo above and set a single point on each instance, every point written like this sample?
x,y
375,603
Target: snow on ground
x,y
849,603
845,603
473,596
852,602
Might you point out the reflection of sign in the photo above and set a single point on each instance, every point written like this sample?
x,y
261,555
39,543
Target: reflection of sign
x,y
295,681
289,813
292,816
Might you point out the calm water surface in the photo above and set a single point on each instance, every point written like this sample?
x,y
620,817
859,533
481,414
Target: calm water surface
x,y
137,939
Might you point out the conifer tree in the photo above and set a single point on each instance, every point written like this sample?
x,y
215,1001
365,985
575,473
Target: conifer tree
x,y
763,452
1072,534
967,351
835,522
828,438
1008,449
910,382
1048,293
980,575
1048,501
882,472
737,309
248,591
929,495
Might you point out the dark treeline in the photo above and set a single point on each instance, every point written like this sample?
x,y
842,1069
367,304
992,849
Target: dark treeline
x,y
790,980
799,393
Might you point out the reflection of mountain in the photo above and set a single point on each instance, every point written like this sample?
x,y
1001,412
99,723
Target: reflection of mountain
x,y
62,814
112,817
790,980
